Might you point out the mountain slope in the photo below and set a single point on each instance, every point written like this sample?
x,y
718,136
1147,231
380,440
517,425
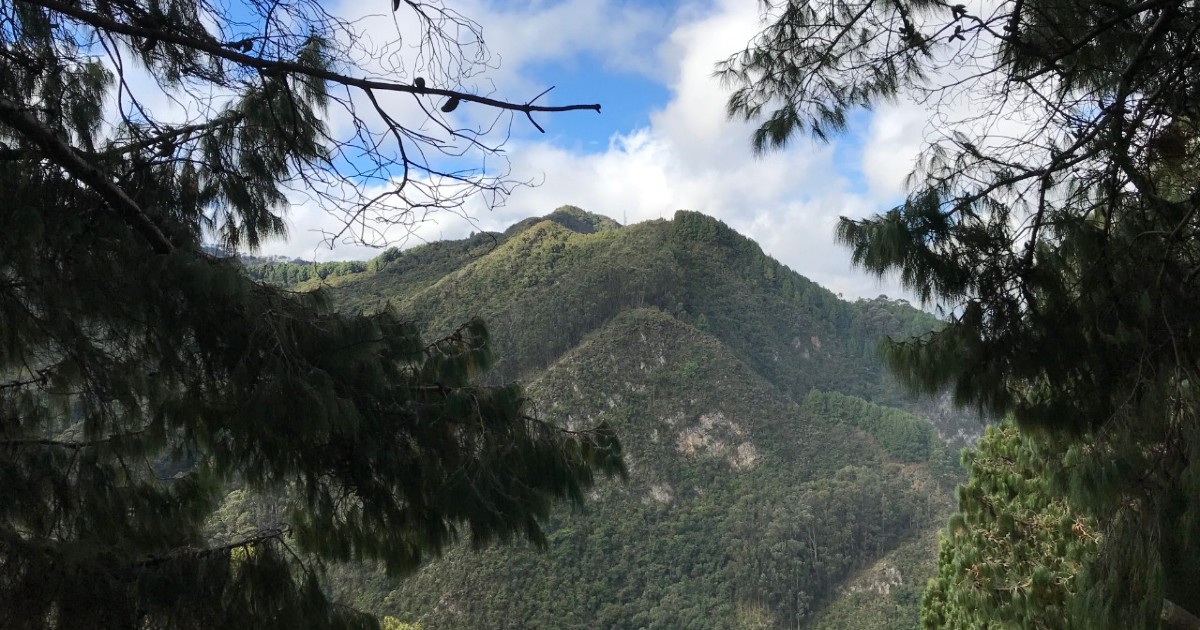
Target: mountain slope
x,y
765,478
541,287
740,504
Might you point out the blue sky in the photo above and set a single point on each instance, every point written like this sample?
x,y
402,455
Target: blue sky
x,y
662,142
626,97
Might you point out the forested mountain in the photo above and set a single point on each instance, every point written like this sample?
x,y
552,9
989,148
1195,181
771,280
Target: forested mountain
x,y
777,476
544,284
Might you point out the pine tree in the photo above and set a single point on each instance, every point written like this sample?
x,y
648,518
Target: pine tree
x,y
1057,227
1010,555
141,377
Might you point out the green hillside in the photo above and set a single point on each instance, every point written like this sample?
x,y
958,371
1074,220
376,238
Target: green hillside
x,y
541,287
773,465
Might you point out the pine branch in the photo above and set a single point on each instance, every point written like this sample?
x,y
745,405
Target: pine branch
x,y
70,160
9,154
74,446
267,535
169,136
43,375
268,66
1176,617
590,432
1051,61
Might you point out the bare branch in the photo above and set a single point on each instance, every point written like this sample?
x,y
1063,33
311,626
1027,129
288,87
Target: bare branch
x,y
272,66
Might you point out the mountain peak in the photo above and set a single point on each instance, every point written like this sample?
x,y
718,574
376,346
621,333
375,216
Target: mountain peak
x,y
573,218
579,220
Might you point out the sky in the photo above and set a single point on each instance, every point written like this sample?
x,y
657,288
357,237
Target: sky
x,y
662,141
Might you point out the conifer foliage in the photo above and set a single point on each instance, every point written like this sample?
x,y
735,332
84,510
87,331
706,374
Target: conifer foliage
x,y
140,376
1055,222
1010,556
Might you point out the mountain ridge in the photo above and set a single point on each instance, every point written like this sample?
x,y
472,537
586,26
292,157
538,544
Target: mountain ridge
x,y
589,277
772,460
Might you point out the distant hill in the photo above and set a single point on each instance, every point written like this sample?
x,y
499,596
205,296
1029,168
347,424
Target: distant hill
x,y
778,476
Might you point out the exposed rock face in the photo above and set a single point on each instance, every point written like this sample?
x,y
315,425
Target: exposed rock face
x,y
745,457
660,493
880,580
714,435
957,426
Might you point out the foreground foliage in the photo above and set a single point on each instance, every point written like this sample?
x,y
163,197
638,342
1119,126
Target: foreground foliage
x,y
1010,556
140,376
1058,227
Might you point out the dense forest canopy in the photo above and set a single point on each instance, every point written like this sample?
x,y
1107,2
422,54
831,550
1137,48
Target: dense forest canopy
x,y
778,476
1056,221
142,377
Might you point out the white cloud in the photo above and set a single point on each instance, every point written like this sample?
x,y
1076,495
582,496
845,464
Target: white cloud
x,y
894,138
690,156
538,31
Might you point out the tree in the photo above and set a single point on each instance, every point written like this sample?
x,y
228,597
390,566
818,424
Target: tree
x,y
1058,229
1011,553
141,377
